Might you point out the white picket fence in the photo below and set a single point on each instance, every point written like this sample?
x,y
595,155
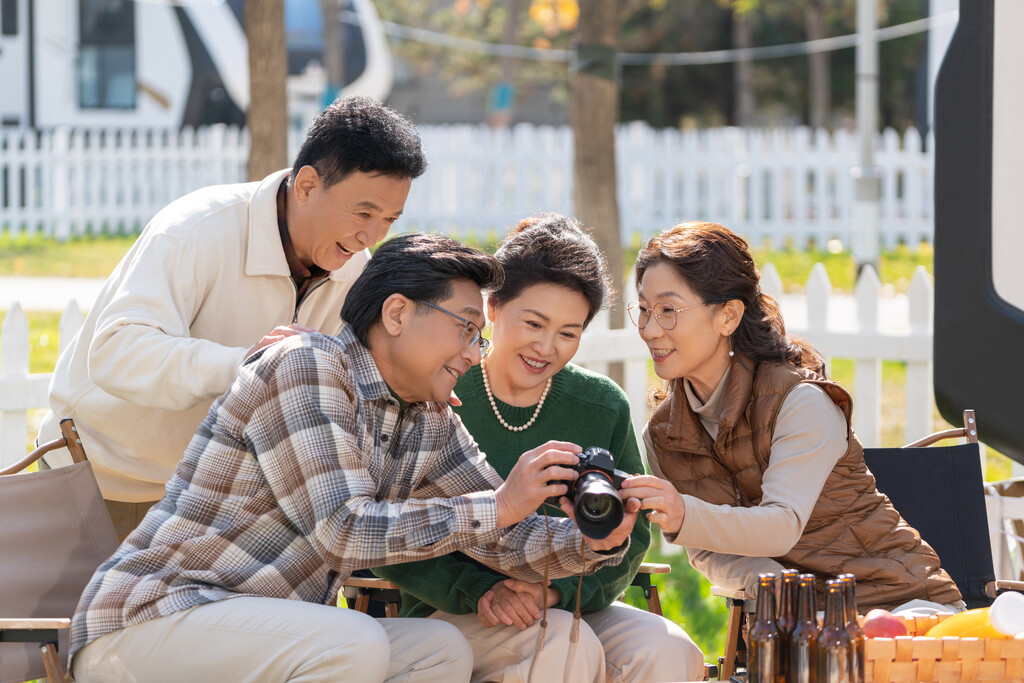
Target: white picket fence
x,y
786,185
867,327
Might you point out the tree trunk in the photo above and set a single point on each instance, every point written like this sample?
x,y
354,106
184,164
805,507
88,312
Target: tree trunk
x,y
820,83
743,76
594,111
267,118
334,52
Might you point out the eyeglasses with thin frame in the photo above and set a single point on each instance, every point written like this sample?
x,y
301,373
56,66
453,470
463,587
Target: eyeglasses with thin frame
x,y
664,313
471,333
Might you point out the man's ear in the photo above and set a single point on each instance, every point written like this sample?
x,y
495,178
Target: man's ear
x,y
395,313
306,180
730,315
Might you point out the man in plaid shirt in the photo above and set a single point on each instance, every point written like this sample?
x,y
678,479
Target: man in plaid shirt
x,y
327,455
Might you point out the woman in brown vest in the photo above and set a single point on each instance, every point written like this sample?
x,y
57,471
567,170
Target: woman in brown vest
x,y
756,466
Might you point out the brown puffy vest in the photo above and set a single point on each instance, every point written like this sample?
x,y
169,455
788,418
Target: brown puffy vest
x,y
853,528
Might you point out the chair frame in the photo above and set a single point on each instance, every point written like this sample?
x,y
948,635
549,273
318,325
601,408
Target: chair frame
x,y
69,440
43,631
739,605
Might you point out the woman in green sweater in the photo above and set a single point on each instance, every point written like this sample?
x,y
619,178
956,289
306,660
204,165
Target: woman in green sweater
x,y
523,394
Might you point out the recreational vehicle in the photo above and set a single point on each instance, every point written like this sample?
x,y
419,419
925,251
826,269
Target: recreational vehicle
x,y
166,63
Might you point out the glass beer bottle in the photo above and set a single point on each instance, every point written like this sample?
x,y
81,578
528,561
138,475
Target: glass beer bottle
x,y
853,628
764,636
787,615
803,642
833,655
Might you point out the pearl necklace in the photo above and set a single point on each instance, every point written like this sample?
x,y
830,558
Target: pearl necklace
x,y
494,406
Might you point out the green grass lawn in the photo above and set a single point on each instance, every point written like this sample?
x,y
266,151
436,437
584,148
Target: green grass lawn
x,y
78,257
96,256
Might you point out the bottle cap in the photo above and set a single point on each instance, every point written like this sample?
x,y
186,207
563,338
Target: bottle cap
x,y
1007,613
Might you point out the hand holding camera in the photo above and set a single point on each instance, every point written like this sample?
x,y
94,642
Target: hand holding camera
x,y
666,506
539,474
588,482
596,505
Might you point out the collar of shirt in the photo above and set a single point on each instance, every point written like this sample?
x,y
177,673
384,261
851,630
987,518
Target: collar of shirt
x,y
300,273
712,410
369,383
402,403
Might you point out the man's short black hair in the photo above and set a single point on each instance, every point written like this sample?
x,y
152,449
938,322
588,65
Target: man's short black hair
x,y
359,134
418,266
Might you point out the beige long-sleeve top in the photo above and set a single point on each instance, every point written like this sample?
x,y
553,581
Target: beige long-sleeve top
x,y
732,545
205,281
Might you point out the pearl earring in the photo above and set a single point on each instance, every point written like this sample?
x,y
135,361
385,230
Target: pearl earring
x,y
731,353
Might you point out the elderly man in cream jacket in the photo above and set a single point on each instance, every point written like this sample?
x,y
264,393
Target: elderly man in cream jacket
x,y
215,276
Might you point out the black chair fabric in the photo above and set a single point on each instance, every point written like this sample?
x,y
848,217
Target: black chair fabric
x,y
940,492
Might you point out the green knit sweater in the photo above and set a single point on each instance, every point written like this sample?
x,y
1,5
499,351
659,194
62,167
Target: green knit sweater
x,y
583,408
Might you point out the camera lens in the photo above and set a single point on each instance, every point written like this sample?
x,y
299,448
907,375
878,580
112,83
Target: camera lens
x,y
597,505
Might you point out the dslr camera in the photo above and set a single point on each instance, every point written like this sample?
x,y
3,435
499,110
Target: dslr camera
x,y
595,494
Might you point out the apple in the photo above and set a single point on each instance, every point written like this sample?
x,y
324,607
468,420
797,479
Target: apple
x,y
881,623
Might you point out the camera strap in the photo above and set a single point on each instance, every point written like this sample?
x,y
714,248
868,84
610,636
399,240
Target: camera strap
x,y
574,633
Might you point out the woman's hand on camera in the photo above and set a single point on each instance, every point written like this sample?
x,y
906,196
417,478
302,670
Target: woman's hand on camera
x,y
660,497
535,478
619,534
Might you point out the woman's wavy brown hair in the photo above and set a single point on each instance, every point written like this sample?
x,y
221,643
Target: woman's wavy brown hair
x,y
717,265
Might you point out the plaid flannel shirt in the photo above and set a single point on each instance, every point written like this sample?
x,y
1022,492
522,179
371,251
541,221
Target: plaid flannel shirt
x,y
303,471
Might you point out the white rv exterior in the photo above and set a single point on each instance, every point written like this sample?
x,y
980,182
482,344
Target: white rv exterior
x,y
126,63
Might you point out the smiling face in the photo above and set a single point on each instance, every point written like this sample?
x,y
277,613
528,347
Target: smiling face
x,y
697,348
423,355
328,226
534,336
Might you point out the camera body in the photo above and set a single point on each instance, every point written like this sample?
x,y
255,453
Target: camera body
x,y
595,494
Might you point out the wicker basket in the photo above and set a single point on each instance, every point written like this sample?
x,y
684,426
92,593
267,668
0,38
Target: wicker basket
x,y
916,659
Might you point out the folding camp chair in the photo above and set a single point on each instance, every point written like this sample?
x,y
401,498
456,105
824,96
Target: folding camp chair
x,y
939,491
55,532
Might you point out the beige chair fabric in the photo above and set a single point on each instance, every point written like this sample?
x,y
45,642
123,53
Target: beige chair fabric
x,y
1005,501
54,533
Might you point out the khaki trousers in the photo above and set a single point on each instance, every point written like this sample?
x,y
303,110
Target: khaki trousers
x,y
619,644
264,640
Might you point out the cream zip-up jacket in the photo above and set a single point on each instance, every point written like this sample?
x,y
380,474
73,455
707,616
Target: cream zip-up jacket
x,y
205,281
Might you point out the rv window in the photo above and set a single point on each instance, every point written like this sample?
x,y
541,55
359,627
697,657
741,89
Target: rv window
x,y
9,17
107,54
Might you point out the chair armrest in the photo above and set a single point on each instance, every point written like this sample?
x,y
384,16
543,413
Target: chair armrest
x,y
369,582
1007,585
654,568
735,597
729,593
33,624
